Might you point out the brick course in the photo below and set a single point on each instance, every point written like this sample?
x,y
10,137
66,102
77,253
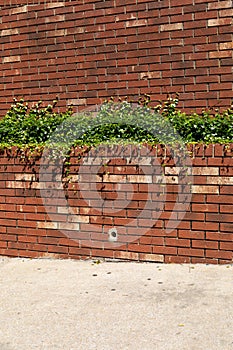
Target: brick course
x,y
87,51
203,234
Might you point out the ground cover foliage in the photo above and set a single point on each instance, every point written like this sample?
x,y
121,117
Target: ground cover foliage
x,y
114,121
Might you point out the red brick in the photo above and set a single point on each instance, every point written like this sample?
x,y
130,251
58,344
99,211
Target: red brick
x,y
191,234
177,259
126,255
226,227
102,253
48,240
140,248
165,250
194,216
17,245
7,222
226,208
221,199
29,254
226,246
151,257
209,226
219,236
57,249
224,262
212,208
151,240
190,252
219,254
198,198
27,239
10,252
204,244
177,242
203,261
226,190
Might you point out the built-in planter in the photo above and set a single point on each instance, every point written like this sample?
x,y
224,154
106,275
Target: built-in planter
x,y
132,203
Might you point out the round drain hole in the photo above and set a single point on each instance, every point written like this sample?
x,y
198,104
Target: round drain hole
x,y
112,235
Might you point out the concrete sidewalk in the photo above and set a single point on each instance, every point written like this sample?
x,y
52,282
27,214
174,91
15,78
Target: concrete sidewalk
x,y
65,304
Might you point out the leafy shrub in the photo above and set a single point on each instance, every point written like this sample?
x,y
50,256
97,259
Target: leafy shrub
x,y
135,122
207,127
115,122
30,125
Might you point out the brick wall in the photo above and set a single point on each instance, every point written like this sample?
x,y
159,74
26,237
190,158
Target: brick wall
x,y
72,217
86,51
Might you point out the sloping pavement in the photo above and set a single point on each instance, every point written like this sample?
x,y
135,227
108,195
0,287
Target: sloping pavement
x,y
84,305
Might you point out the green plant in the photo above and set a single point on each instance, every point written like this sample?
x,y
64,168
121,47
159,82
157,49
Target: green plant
x,y
30,125
208,127
118,122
